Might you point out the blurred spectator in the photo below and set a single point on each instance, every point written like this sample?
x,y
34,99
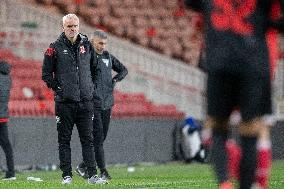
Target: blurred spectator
x,y
5,87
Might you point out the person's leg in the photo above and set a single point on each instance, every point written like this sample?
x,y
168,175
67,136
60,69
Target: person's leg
x,y
255,104
106,120
106,115
81,170
98,137
99,134
232,147
65,122
263,163
219,136
82,165
7,148
248,136
222,91
234,155
84,127
264,158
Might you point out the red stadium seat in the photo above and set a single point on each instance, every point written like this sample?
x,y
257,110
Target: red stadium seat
x,y
6,54
31,108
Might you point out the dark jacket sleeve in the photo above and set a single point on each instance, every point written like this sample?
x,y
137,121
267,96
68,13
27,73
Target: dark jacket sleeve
x,y
118,67
196,5
48,68
94,62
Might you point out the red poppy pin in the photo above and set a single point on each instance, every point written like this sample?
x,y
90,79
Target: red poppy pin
x,y
50,51
82,49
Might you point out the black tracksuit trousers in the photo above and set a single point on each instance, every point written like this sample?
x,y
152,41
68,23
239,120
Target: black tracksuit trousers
x,y
100,129
81,114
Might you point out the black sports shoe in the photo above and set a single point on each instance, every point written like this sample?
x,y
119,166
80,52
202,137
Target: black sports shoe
x,y
105,175
82,171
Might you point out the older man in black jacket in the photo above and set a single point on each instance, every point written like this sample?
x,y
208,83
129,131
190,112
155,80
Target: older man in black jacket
x,y
5,87
104,63
66,69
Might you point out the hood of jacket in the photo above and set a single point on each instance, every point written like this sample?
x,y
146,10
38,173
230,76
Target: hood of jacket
x,y
5,68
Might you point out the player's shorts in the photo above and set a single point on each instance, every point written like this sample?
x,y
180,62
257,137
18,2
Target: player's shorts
x,y
244,84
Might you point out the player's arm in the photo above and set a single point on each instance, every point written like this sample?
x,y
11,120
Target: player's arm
x,y
48,68
118,67
196,5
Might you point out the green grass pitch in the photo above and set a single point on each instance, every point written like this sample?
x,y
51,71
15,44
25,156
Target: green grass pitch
x,y
162,176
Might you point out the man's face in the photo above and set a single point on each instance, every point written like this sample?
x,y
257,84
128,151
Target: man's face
x,y
99,44
71,28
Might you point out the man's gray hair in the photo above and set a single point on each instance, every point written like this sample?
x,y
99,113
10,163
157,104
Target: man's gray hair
x,y
100,34
69,16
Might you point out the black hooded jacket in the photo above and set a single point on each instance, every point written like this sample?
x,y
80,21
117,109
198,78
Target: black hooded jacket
x,y
5,87
66,69
102,77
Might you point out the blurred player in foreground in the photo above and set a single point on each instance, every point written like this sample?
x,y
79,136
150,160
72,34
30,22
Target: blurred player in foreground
x,y
240,50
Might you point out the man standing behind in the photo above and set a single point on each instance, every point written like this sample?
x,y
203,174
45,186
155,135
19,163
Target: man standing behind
x,y
103,99
66,69
5,87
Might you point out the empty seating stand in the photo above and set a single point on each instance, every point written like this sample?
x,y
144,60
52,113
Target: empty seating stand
x,y
31,97
136,105
31,108
162,25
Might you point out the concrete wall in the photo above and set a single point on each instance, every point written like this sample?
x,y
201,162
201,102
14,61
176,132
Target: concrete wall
x,y
129,141
277,135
